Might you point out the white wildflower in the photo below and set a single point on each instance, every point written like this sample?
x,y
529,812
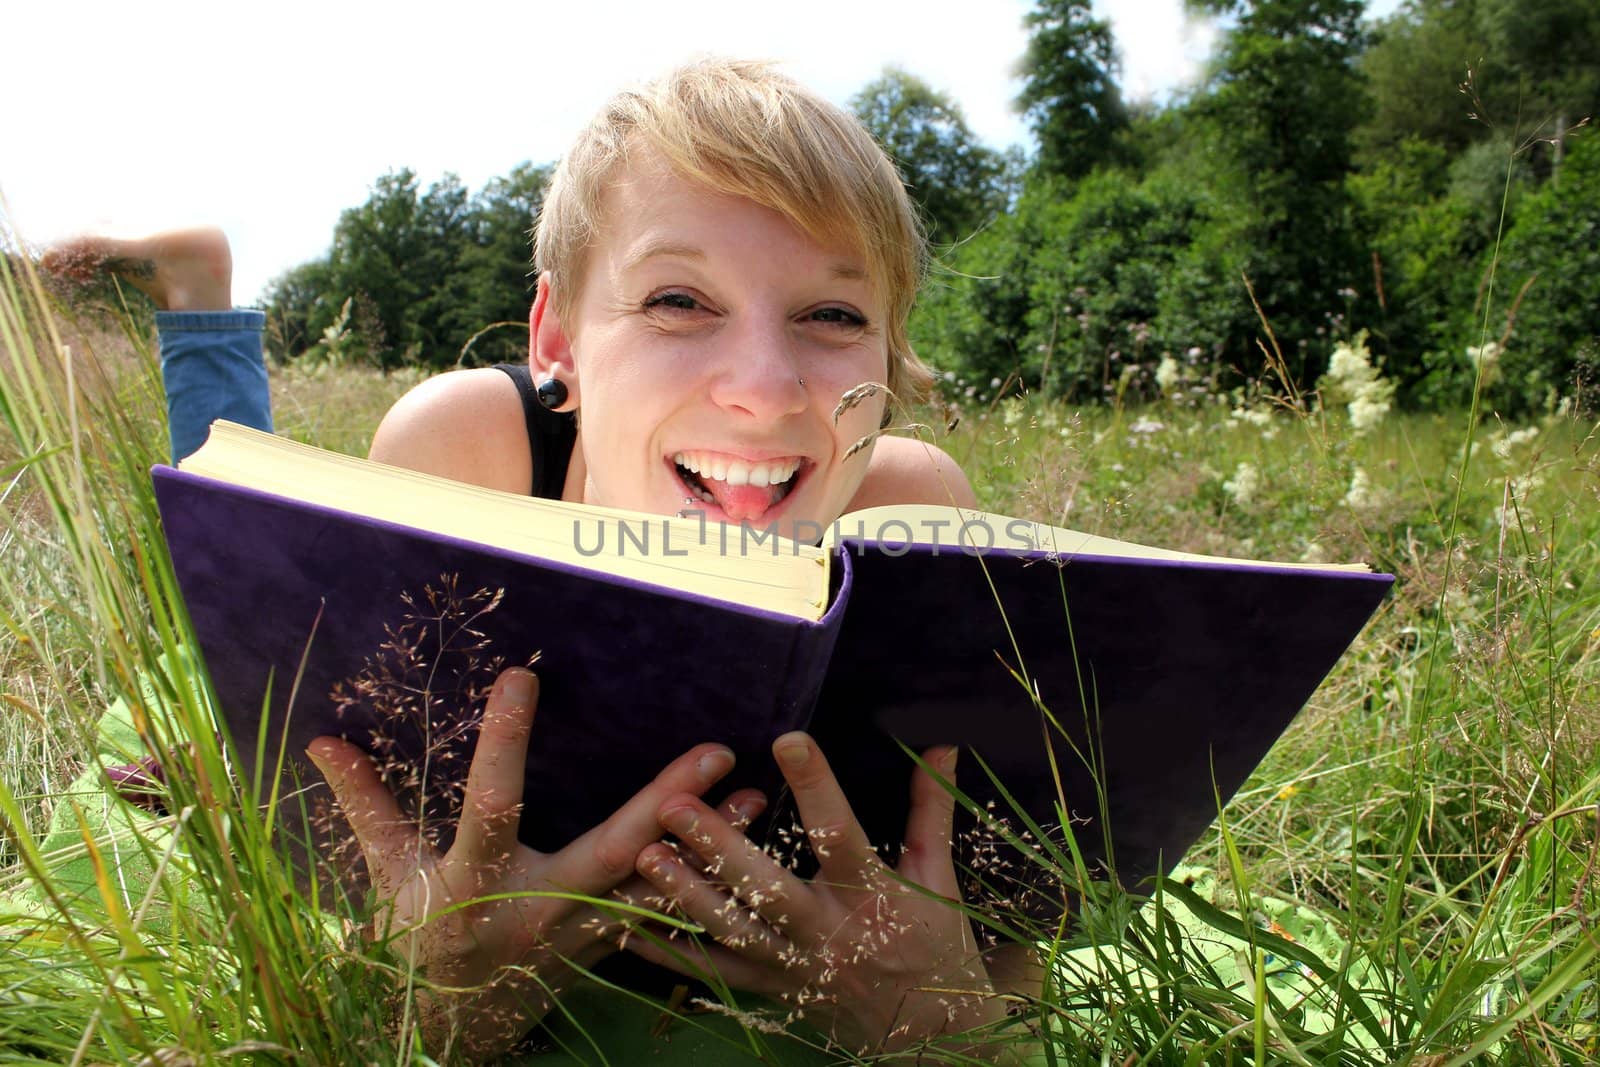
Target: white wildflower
x,y
1012,411
1484,358
1505,445
1353,379
1244,484
1367,411
1360,494
1169,375
1314,553
1350,362
1258,415
1147,426
1513,509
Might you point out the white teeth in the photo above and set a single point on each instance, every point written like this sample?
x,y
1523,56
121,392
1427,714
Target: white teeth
x,y
736,471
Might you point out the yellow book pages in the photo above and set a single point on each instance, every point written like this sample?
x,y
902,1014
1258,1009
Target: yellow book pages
x,y
969,528
737,566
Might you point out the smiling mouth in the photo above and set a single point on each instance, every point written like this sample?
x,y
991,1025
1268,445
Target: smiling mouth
x,y
742,489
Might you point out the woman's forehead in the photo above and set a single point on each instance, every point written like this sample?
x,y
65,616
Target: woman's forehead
x,y
649,211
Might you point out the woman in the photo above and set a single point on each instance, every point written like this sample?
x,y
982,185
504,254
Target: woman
x,y
724,258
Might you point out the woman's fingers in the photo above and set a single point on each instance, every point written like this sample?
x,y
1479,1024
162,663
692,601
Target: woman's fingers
x,y
708,963
725,857
926,860
390,842
604,857
743,807
843,852
492,805
724,916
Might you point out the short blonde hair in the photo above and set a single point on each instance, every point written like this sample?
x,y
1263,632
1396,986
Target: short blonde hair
x,y
742,129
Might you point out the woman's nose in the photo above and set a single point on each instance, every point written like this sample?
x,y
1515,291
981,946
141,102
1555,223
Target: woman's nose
x,y
759,373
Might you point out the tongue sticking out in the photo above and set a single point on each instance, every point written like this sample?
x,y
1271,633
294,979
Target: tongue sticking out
x,y
742,503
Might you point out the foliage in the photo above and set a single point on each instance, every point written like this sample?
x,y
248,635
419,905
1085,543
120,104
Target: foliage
x,y
958,183
1553,253
1427,244
1074,289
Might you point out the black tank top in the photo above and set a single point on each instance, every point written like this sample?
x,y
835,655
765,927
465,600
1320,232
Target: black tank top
x,y
551,434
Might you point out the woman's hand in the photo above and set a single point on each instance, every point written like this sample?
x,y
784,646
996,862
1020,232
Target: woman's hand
x,y
493,967
879,959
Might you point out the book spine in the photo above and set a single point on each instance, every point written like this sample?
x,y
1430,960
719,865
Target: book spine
x,y
813,648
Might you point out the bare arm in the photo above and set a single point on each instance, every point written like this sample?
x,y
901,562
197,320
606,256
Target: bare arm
x,y
465,425
908,471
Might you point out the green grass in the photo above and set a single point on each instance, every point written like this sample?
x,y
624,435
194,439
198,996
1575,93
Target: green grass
x,y
1426,833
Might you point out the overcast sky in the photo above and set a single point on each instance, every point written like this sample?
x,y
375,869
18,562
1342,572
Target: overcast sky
x,y
138,116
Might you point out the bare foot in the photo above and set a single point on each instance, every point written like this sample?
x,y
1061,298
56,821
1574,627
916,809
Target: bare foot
x,y
181,270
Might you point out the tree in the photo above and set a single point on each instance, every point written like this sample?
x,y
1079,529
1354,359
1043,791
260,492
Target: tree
x,y
1415,66
296,304
380,257
1550,47
956,181
1533,73
1070,93
1281,104
497,266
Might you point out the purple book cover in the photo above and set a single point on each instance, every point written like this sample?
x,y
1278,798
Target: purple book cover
x,y
1172,679
1168,681
399,629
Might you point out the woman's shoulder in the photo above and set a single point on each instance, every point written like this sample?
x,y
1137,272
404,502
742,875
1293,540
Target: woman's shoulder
x,y
466,425
905,470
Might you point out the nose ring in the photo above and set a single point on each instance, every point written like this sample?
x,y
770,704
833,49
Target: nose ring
x,y
802,381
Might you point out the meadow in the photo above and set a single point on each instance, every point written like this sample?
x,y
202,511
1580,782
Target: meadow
x,y
1408,878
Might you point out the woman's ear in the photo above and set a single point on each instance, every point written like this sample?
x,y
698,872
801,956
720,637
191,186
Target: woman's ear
x,y
549,348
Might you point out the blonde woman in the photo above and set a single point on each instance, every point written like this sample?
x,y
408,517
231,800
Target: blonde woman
x,y
722,256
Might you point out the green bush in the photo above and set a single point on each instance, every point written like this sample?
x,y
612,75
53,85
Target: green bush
x,y
1553,251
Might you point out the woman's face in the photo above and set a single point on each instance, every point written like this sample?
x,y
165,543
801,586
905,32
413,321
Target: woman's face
x,y
710,344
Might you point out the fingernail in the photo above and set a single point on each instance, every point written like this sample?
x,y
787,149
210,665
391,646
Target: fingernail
x,y
316,752
679,820
714,765
517,687
650,861
948,764
748,809
792,750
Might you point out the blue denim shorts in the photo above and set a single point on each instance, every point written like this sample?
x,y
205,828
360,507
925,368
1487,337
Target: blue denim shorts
x,y
212,368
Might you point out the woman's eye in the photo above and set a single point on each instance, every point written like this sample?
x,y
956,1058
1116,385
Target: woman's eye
x,y
672,302
836,316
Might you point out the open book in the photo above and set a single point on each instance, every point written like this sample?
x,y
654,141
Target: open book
x,y
1125,686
